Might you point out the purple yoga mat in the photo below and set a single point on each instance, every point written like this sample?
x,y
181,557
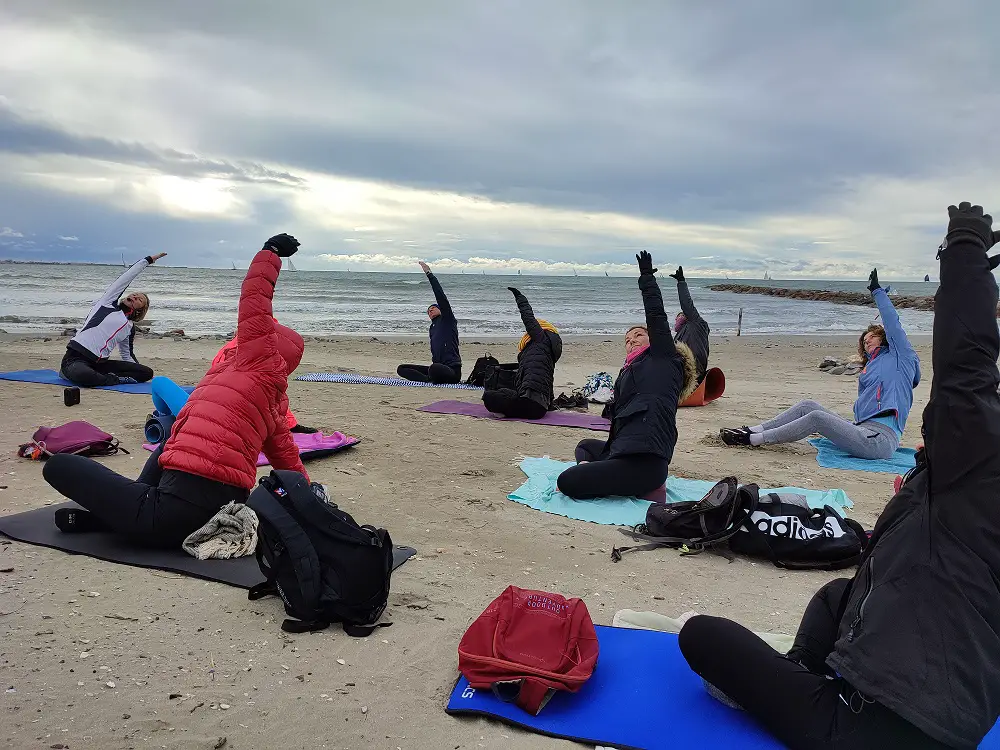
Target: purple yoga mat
x,y
311,445
559,418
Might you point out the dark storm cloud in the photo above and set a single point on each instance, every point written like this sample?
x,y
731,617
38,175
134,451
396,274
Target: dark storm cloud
x,y
21,136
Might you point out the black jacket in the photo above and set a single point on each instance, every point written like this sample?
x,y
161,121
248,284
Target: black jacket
x,y
648,390
536,364
920,627
444,330
695,330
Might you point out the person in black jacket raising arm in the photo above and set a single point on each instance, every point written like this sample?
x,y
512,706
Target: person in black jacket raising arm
x,y
538,352
689,327
907,653
658,375
446,362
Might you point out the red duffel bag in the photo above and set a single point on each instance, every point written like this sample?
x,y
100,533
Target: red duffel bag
x,y
527,645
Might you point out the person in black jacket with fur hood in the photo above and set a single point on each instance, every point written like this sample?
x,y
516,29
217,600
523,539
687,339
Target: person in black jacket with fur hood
x,y
538,352
907,653
658,375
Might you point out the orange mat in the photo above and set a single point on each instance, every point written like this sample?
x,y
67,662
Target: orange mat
x,y
711,388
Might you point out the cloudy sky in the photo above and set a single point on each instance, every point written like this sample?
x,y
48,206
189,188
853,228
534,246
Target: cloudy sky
x,y
808,139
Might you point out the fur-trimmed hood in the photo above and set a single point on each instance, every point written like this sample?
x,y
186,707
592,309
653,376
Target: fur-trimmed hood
x,y
690,371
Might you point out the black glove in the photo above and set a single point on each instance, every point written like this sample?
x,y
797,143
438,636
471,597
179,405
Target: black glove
x,y
282,244
873,281
645,261
970,220
678,274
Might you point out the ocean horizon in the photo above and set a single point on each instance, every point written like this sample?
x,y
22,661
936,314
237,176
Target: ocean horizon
x,y
41,296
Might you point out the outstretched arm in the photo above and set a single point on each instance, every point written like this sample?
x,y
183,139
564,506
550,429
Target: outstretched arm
x,y
684,295
531,324
962,417
657,323
894,332
119,285
255,325
439,295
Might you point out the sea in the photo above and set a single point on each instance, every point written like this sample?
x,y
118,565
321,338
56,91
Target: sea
x,y
200,301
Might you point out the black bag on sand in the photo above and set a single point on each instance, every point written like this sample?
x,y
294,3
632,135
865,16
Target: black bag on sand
x,y
324,566
478,374
785,530
501,376
697,525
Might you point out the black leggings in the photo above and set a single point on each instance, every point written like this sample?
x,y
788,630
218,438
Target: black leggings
x,y
795,696
159,509
635,475
436,373
103,372
506,401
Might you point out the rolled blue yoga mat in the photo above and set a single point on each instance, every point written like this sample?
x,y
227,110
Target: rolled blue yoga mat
x,y
158,427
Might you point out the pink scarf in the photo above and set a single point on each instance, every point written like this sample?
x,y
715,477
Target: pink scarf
x,y
632,355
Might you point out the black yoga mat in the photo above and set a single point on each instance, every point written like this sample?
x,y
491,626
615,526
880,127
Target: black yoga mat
x,y
38,527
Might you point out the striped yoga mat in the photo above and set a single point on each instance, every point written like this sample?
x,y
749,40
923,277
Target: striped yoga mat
x,y
345,377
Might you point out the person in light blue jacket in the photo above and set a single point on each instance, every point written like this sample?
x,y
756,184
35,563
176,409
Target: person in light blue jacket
x,y
885,396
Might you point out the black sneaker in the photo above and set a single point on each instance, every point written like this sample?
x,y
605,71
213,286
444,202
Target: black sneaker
x,y
736,436
74,521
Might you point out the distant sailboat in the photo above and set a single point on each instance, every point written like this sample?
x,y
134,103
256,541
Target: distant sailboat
x,y
291,266
518,271
124,264
767,275
927,277
575,273
605,273
234,266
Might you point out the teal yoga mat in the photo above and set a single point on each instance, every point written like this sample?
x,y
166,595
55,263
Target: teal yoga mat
x,y
540,492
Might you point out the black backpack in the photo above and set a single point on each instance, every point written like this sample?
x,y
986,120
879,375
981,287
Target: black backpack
x,y
785,530
478,375
324,566
695,525
501,376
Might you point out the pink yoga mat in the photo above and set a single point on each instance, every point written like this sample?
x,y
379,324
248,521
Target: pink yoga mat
x,y
561,418
311,445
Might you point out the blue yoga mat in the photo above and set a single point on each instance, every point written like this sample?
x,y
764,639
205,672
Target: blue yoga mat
x,y
540,492
829,456
51,377
346,377
640,674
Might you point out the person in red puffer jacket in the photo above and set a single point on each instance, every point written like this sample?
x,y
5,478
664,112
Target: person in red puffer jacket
x,y
237,411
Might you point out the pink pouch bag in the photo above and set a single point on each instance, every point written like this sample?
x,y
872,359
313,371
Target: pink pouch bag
x,y
79,437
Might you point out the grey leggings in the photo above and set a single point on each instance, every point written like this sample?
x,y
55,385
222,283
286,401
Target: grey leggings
x,y
865,440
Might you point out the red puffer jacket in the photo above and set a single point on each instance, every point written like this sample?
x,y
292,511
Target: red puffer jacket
x,y
239,407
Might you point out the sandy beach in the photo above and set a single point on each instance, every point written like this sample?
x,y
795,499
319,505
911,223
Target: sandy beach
x,y
92,653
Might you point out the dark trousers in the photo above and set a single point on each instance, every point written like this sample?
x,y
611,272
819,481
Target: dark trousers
x,y
103,372
159,509
635,475
436,373
506,401
795,697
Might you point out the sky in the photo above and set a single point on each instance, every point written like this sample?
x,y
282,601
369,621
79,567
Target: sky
x,y
803,139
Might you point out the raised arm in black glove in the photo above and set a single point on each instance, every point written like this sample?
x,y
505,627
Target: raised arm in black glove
x,y
678,275
645,261
282,244
873,281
